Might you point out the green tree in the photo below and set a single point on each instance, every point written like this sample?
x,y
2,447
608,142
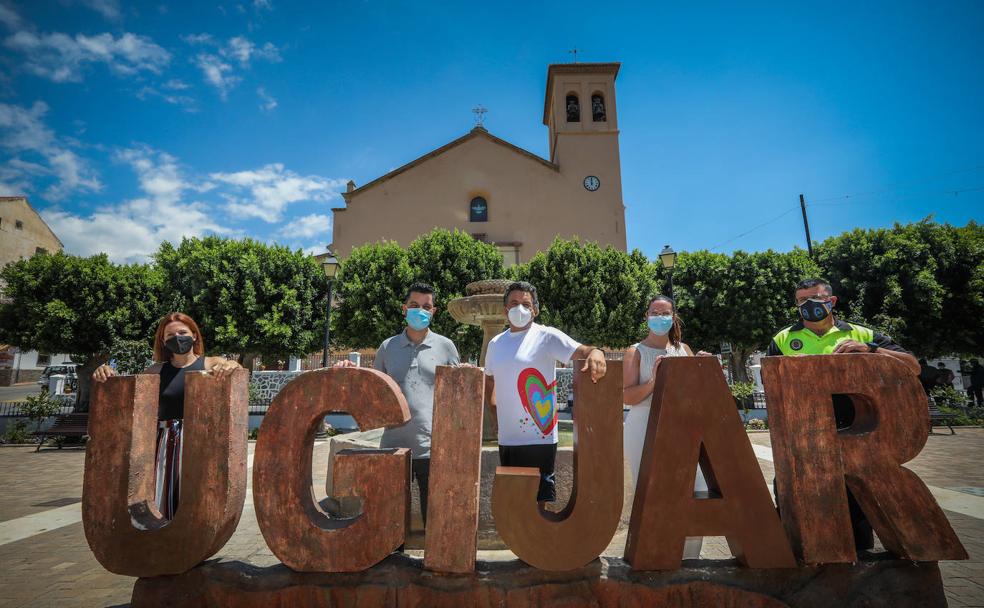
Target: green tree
x,y
62,303
132,356
369,291
448,261
249,298
596,295
743,299
923,283
373,281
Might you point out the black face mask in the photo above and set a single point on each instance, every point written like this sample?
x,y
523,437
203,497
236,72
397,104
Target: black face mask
x,y
179,345
815,310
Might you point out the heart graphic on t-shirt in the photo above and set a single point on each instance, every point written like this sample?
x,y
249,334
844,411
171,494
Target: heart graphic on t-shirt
x,y
539,399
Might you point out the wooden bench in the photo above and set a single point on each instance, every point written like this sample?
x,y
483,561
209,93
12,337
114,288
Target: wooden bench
x,y
69,425
936,416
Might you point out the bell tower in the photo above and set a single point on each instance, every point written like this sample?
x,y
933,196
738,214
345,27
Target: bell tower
x,y
580,100
582,117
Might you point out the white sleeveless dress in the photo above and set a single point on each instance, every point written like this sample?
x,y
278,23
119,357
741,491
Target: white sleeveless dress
x,y
634,433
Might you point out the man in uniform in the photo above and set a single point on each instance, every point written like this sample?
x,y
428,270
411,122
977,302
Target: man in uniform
x,y
819,332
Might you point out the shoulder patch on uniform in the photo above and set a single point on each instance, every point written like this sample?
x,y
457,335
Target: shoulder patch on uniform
x,y
795,344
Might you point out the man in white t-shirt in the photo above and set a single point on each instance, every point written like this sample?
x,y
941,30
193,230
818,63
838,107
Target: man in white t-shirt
x,y
522,361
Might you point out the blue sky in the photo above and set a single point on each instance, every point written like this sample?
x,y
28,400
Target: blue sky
x,y
131,123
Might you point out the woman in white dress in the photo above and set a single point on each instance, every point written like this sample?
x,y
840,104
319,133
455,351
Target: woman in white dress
x,y
638,379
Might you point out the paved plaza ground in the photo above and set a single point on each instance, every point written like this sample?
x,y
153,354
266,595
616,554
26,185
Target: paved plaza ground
x,y
44,559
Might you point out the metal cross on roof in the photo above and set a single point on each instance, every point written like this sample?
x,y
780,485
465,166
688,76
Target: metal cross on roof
x,y
574,51
479,112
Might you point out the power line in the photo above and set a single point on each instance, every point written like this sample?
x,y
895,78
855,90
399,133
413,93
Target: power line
x,y
837,204
846,199
894,187
898,198
762,225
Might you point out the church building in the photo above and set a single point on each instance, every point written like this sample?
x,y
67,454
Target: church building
x,y
501,193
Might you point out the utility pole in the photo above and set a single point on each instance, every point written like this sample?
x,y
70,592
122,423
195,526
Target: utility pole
x,y
806,226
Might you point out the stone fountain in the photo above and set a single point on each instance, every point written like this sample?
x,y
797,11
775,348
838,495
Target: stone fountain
x,y
482,306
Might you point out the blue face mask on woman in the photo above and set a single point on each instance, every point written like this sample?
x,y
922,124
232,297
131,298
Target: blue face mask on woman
x,y
418,318
660,324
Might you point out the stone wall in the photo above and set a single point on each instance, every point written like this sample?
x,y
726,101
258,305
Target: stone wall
x,y
565,383
266,385
606,583
10,376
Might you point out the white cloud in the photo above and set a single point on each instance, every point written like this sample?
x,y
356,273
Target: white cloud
x,y
266,192
218,65
62,58
73,174
217,73
268,103
10,18
176,85
202,38
110,9
171,206
133,230
186,102
243,49
157,173
22,131
262,4
14,181
308,226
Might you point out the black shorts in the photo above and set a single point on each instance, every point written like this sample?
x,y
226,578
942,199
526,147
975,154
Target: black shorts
x,y
537,456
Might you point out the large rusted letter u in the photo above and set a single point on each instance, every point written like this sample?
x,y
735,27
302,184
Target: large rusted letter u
x,y
124,528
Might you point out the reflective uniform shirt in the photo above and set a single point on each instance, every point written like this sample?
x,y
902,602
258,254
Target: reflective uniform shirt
x,y
798,340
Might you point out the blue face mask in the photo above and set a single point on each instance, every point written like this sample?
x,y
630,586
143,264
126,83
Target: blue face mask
x,y
418,318
660,324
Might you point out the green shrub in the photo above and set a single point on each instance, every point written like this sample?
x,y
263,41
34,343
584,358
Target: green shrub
x,y
17,432
743,391
960,416
757,425
947,396
976,415
40,406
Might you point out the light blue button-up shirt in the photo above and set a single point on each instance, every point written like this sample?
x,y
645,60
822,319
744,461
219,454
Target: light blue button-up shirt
x,y
413,367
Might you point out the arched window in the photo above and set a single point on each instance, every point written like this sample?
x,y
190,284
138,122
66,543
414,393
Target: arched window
x,y
598,108
478,210
573,108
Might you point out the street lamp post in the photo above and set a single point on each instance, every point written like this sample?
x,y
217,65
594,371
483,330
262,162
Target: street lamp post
x,y
668,258
330,265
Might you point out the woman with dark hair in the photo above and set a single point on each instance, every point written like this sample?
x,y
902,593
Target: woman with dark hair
x,y
178,349
638,380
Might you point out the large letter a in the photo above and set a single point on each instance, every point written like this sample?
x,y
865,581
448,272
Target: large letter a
x,y
693,418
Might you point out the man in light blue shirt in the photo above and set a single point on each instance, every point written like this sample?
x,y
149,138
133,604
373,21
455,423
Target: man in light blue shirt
x,y
411,359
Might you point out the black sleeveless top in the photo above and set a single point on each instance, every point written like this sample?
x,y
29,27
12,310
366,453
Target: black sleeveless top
x,y
171,404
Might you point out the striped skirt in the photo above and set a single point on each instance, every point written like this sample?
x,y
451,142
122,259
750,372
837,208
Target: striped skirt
x,y
168,460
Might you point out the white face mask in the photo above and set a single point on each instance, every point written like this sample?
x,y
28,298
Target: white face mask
x,y
520,316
